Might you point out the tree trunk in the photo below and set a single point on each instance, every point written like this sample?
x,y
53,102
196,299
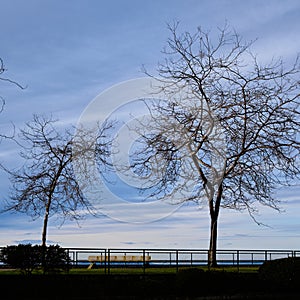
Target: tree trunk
x,y
46,217
44,239
212,252
214,209
44,233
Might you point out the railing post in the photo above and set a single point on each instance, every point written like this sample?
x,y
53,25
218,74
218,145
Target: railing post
x,y
208,264
108,261
105,257
144,262
238,260
266,255
68,253
176,261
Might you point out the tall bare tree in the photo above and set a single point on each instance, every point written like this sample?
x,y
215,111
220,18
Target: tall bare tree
x,y
46,185
253,108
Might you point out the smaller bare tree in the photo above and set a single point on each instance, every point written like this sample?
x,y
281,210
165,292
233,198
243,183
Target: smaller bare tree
x,y
46,185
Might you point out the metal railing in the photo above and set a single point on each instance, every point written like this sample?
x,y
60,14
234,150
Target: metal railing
x,y
176,257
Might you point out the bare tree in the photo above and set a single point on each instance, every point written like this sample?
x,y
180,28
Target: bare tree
x,y
45,185
239,113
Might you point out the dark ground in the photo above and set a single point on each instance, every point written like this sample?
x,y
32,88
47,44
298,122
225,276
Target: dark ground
x,y
185,285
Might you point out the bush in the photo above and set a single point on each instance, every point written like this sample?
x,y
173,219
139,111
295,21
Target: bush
x,y
24,257
56,259
284,271
28,258
190,279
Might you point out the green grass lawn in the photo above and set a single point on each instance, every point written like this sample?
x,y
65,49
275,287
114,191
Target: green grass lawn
x,y
161,270
152,270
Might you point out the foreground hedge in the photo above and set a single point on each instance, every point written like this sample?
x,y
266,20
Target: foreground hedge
x,y
284,271
27,258
185,285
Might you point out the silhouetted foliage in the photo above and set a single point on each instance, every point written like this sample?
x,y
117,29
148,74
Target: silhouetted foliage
x,y
28,258
23,256
283,271
56,259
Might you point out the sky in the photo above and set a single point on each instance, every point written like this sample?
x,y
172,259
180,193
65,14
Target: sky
x,y
66,53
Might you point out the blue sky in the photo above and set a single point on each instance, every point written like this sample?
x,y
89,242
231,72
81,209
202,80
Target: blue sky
x,y
67,52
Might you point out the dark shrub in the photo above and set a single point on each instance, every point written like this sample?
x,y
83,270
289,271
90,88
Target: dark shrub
x,y
189,279
56,259
284,271
23,256
28,258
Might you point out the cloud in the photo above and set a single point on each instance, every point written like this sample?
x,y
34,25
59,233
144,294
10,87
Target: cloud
x,y
33,242
128,243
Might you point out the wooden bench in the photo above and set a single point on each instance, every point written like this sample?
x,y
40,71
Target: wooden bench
x,y
93,259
